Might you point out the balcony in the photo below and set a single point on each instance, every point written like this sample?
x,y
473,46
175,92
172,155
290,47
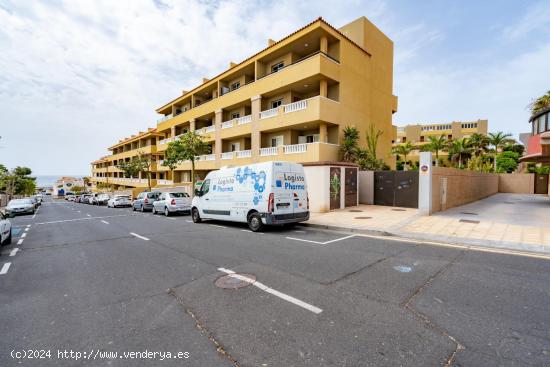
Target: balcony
x,y
206,157
164,118
243,153
307,152
269,113
268,151
238,121
295,148
165,182
206,130
227,155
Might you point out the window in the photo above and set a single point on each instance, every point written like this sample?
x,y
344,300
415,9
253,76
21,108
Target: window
x,y
235,85
179,195
278,66
276,103
205,187
404,139
548,121
422,139
235,115
277,141
235,147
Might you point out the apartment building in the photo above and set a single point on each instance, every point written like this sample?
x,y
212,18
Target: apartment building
x,y
419,134
290,101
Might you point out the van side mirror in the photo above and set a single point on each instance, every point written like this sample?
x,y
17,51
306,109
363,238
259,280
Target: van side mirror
x,y
198,192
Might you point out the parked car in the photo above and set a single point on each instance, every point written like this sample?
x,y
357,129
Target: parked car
x,y
257,194
145,200
99,199
119,201
70,198
84,198
20,206
5,230
172,202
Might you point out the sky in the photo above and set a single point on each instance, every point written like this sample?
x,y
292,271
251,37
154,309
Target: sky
x,y
78,75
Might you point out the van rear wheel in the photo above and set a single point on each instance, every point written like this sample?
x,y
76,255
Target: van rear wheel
x,y
195,215
255,222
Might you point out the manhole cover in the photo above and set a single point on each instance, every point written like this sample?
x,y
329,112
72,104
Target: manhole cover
x,y
399,210
232,282
469,221
363,217
355,211
468,213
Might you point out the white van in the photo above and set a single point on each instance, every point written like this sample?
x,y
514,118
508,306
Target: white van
x,y
257,194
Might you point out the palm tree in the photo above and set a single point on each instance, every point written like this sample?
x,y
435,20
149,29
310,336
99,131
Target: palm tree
x,y
350,144
404,150
437,144
540,103
498,140
457,149
478,143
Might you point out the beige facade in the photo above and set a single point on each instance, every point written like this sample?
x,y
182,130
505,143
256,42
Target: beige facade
x,y
290,101
419,134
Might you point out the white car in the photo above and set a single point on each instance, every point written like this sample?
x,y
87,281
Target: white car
x,y
269,193
172,202
118,201
5,230
70,197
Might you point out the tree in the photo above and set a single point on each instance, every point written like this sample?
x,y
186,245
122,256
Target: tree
x,y
507,162
139,164
479,163
458,149
404,150
478,143
436,145
514,147
540,103
17,181
187,148
171,159
367,158
350,144
497,140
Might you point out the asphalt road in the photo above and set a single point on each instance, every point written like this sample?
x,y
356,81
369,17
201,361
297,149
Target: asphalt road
x,y
100,281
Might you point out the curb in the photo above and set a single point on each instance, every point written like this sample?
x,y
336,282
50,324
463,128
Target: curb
x,y
347,229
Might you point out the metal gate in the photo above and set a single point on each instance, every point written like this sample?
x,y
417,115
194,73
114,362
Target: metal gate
x,y
541,184
350,187
396,188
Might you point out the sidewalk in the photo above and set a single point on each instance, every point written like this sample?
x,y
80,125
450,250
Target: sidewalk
x,y
512,221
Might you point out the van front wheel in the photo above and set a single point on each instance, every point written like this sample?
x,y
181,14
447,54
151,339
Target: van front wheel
x,y
255,222
195,215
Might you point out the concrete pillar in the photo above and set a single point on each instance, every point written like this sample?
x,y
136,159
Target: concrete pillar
x,y
425,184
192,125
323,136
218,133
324,44
255,143
323,88
172,131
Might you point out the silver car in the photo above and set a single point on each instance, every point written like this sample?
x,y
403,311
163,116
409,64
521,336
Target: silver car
x,y
20,206
172,202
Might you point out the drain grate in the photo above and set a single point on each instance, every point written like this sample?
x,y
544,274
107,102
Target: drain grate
x,y
230,282
469,221
468,213
363,217
399,210
355,211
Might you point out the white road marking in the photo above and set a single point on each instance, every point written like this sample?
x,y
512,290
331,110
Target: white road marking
x,y
88,215
249,231
104,221
14,251
77,219
189,221
78,211
217,225
26,229
138,236
24,235
321,243
272,291
300,231
170,218
5,268
20,241
28,225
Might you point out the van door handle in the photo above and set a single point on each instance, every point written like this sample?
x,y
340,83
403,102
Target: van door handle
x,y
206,199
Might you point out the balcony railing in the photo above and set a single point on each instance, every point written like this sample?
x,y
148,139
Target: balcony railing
x,y
244,153
296,106
164,118
269,113
237,121
295,148
206,157
268,151
206,130
227,155
165,182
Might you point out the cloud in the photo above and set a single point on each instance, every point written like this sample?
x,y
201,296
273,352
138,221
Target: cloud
x,y
536,18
